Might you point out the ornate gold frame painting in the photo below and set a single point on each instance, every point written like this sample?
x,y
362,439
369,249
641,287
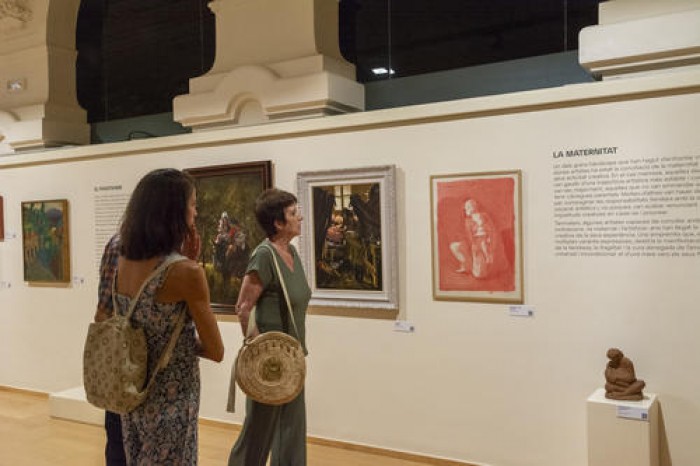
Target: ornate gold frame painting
x,y
477,237
226,222
348,241
46,241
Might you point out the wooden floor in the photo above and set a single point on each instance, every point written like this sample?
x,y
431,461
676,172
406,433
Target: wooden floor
x,y
30,437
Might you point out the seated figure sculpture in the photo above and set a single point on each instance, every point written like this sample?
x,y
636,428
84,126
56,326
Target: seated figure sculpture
x,y
621,382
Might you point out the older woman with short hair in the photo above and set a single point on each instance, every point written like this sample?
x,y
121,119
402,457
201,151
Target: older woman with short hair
x,y
279,429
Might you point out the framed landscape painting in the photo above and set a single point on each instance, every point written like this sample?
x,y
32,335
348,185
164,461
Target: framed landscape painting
x,y
2,219
226,222
45,241
477,237
348,241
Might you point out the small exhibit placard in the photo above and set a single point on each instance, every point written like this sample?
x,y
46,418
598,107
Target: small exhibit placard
x,y
633,412
522,311
403,326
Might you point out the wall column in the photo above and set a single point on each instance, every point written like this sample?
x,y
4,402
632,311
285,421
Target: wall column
x,y
38,103
275,60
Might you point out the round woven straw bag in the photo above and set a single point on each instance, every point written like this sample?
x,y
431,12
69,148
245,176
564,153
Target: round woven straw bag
x,y
271,368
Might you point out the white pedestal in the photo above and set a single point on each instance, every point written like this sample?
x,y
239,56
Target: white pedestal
x,y
72,405
615,440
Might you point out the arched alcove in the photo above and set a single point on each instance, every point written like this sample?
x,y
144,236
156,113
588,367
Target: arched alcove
x,y
37,69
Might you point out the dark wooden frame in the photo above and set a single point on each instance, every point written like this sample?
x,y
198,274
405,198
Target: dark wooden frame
x,y
212,203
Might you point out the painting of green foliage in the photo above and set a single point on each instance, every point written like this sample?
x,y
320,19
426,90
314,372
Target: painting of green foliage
x,y
226,222
45,241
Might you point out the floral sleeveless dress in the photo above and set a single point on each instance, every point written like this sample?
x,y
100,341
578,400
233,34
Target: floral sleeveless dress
x,y
163,430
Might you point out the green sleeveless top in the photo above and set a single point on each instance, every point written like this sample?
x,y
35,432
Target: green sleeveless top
x,y
271,304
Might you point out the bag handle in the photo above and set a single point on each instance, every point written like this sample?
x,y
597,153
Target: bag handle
x,y
251,328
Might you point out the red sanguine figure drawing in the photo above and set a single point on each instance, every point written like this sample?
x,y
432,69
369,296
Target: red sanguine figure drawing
x,y
484,243
476,235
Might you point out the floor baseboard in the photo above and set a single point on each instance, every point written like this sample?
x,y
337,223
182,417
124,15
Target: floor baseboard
x,y
24,391
340,444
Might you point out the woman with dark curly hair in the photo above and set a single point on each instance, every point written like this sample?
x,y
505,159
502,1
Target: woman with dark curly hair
x,y
158,226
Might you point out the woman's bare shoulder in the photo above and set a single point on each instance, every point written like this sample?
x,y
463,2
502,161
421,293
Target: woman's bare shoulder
x,y
185,270
183,278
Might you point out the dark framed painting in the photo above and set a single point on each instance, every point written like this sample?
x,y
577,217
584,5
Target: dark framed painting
x,y
349,242
46,241
2,219
226,222
477,237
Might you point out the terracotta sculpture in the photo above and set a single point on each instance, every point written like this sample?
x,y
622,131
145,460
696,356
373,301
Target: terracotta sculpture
x,y
621,382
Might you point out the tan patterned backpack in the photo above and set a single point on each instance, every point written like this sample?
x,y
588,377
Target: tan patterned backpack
x,y
115,358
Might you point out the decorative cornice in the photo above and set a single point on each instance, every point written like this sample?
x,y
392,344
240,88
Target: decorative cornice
x,y
16,9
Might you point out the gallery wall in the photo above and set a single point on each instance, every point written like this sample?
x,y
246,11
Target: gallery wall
x,y
472,382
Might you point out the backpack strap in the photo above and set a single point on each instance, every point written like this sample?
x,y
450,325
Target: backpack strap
x,y
169,260
167,352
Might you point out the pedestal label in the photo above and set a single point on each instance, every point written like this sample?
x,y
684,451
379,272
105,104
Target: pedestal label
x,y
633,412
